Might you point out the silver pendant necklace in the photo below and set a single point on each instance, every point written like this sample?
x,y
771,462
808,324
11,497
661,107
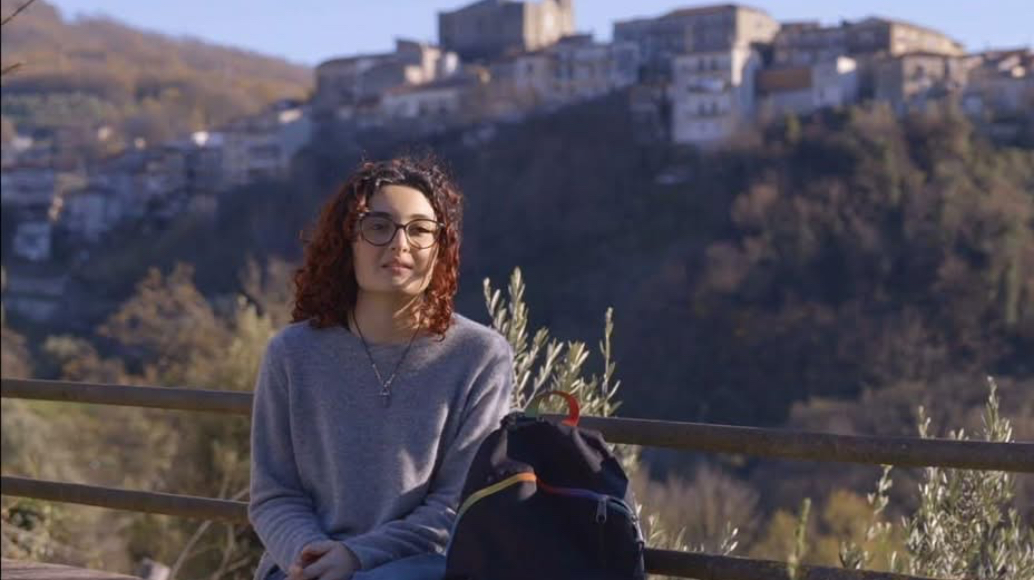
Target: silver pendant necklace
x,y
385,385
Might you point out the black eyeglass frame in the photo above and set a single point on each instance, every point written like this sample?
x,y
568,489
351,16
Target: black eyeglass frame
x,y
398,226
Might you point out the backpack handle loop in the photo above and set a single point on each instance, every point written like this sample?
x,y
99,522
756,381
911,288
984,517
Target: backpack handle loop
x,y
574,412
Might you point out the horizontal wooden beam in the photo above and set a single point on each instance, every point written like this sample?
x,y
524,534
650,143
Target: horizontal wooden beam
x,y
702,437
667,562
172,398
714,567
26,570
150,502
816,446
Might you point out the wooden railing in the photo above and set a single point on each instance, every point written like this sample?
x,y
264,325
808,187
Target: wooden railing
x,y
775,443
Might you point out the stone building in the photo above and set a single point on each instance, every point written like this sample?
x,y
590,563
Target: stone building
x,y
25,186
488,29
89,213
1001,84
351,86
712,94
807,43
913,79
710,29
800,90
584,69
574,69
442,101
868,42
261,146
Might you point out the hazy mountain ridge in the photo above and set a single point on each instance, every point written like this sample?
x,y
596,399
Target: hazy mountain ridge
x,y
95,71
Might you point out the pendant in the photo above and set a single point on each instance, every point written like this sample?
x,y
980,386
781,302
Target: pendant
x,y
386,397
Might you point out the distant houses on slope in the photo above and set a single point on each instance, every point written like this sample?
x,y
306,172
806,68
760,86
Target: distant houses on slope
x,y
695,76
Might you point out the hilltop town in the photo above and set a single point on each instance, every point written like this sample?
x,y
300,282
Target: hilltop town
x,y
698,76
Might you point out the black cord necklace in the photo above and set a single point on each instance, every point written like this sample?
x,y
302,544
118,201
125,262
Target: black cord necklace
x,y
385,385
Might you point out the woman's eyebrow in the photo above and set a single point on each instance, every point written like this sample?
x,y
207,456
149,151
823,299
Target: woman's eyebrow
x,y
411,216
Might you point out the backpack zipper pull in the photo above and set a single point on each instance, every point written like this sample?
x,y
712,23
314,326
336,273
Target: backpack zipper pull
x,y
601,511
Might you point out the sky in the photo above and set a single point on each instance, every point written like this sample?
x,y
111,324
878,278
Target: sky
x,y
310,31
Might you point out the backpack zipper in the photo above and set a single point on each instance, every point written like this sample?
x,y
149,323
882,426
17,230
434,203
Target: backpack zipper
x,y
494,488
603,500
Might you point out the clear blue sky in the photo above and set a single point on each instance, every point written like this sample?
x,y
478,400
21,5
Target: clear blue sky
x,y
309,31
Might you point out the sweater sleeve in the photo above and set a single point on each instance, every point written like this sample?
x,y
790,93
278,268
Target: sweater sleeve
x,y
427,527
280,510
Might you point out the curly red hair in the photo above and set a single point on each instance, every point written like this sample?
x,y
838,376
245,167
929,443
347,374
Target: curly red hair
x,y
326,288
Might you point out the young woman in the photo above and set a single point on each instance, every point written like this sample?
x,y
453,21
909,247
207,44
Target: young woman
x,y
370,406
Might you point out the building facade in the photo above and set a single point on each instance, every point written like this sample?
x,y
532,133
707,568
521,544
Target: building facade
x,y
583,69
89,213
808,43
912,80
800,90
441,100
1001,83
706,29
489,29
712,94
575,68
349,86
262,146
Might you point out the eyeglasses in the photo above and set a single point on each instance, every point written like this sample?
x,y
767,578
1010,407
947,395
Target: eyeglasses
x,y
379,230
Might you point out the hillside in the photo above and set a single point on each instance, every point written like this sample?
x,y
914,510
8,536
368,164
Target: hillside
x,y
849,251
829,274
98,71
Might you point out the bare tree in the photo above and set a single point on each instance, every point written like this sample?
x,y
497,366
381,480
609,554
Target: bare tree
x,y
6,20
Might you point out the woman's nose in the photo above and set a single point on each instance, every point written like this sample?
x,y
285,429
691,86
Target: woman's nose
x,y
400,241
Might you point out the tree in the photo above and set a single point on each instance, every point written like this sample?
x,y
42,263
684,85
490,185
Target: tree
x,y
15,360
964,526
7,19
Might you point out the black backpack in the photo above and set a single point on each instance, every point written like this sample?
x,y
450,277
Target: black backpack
x,y
546,502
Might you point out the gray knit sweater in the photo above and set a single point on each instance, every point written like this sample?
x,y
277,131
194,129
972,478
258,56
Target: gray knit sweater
x,y
330,461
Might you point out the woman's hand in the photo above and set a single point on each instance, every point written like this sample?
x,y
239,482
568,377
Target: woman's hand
x,y
325,560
